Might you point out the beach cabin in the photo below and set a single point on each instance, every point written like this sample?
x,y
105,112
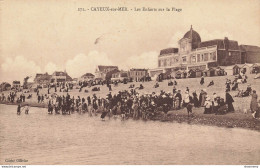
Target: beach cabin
x,y
247,68
192,73
211,71
199,73
256,68
160,77
167,75
179,74
236,69
228,70
219,71
205,72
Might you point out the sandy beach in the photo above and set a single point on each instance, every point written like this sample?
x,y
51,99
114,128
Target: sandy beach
x,y
230,120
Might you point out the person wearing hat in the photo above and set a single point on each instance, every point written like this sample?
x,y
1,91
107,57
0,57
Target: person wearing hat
x,y
174,90
175,82
229,102
202,80
256,114
253,103
222,107
186,99
202,97
208,105
216,102
195,99
228,86
178,95
19,109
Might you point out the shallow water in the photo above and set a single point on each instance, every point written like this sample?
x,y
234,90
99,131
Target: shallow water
x,y
79,139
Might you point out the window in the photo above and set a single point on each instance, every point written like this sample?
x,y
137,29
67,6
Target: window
x,y
202,57
168,62
165,63
172,61
214,56
210,56
198,57
229,54
206,57
184,59
193,59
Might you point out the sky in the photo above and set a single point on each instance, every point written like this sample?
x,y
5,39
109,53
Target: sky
x,y
46,36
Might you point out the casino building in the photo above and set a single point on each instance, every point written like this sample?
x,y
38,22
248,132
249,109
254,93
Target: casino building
x,y
192,53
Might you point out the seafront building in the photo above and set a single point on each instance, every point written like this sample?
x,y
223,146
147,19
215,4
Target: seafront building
x,y
16,84
42,79
101,71
192,53
59,76
138,74
87,77
121,75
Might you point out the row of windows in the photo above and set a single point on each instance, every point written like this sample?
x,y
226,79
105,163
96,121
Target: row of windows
x,y
195,58
167,62
204,57
137,73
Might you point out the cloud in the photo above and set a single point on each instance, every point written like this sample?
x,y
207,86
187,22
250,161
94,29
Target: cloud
x,y
17,69
51,67
175,38
206,35
20,67
82,63
144,60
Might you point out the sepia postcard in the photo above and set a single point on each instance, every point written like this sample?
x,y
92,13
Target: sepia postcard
x,y
129,82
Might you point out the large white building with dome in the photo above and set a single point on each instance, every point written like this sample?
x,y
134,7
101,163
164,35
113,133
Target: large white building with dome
x,y
192,53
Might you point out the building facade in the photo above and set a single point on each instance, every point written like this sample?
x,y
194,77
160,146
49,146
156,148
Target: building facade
x,y
42,79
101,71
59,76
16,84
192,53
87,77
138,74
250,54
119,75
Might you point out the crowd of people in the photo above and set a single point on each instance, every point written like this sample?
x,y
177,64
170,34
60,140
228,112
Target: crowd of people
x,y
130,103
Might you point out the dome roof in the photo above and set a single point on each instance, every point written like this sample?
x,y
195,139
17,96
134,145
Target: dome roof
x,y
194,36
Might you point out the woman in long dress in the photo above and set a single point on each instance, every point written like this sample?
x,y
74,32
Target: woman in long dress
x,y
229,102
203,97
253,104
195,99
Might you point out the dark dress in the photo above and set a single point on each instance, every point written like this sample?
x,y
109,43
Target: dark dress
x,y
229,101
195,100
18,109
202,81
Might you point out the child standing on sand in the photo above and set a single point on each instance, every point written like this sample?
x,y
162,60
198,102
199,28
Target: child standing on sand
x,y
26,109
19,109
189,106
